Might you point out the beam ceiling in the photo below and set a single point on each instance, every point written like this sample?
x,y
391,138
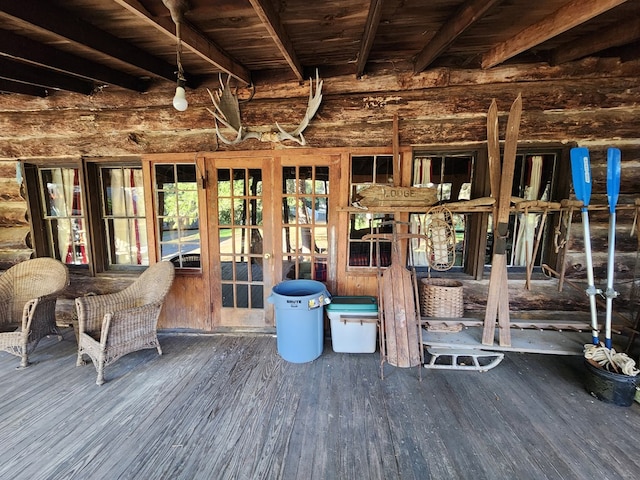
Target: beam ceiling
x,y
80,45
465,16
570,15
65,25
192,39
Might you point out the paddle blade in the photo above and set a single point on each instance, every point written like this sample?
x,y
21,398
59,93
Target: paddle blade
x,y
581,174
613,177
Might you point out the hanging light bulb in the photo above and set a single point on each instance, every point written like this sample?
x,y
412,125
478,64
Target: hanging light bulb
x,y
179,99
177,9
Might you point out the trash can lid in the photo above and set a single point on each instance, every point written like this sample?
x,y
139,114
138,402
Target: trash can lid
x,y
353,304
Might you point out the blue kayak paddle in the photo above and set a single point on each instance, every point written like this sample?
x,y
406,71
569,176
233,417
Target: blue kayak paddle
x,y
613,190
581,175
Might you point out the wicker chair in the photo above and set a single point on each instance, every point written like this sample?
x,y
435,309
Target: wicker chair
x,y
28,294
112,325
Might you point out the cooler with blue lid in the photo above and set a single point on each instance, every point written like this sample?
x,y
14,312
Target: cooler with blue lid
x,y
354,323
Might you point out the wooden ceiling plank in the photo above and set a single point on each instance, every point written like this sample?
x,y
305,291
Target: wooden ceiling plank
x,y
370,29
10,70
64,24
622,34
10,86
468,13
30,51
565,18
271,20
192,39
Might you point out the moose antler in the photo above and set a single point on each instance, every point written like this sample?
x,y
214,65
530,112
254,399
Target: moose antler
x,y
312,108
227,112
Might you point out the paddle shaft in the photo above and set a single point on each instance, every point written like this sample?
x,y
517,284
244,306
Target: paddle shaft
x,y
591,288
610,293
613,189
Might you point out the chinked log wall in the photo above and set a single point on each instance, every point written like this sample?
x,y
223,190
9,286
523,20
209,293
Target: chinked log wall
x,y
594,103
14,226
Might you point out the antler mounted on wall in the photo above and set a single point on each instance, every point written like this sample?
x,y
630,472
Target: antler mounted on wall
x,y
227,112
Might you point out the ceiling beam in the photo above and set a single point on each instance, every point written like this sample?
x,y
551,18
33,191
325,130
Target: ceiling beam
x,y
370,29
10,86
21,72
630,52
30,51
271,20
623,33
66,25
192,39
565,18
465,16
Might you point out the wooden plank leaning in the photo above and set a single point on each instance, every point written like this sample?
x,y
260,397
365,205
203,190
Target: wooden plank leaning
x,y
498,296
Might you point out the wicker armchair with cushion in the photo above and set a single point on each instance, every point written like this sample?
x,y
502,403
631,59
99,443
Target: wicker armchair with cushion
x,y
28,294
115,324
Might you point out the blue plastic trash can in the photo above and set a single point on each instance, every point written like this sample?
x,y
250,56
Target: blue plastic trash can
x,y
299,308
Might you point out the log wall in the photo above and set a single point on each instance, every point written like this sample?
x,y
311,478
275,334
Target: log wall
x,y
14,226
593,103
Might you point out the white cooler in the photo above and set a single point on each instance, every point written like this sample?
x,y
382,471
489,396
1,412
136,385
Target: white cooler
x,y
354,324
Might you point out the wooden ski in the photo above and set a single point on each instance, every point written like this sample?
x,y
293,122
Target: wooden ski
x,y
493,148
498,295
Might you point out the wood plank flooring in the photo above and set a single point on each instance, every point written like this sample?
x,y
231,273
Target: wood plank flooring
x,y
228,407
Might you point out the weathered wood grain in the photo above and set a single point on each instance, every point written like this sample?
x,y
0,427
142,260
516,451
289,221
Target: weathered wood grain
x,y
229,407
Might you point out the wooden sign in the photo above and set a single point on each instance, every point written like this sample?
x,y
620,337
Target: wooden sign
x,y
389,196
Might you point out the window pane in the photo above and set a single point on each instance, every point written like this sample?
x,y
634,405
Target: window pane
x,y
365,252
178,212
63,215
124,241
370,170
452,175
533,180
123,213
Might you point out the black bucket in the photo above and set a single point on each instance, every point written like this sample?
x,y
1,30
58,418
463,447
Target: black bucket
x,y
610,387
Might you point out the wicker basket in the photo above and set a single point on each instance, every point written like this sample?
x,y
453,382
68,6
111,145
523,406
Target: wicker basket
x,y
441,298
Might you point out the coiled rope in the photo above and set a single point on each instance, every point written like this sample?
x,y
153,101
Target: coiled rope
x,y
609,358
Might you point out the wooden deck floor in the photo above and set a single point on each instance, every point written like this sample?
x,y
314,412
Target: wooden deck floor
x,y
227,407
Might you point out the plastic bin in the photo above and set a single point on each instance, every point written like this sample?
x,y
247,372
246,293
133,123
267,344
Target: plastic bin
x,y
354,324
610,387
299,308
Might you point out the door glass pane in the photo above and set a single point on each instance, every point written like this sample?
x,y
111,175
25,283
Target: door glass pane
x,y
241,247
305,211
